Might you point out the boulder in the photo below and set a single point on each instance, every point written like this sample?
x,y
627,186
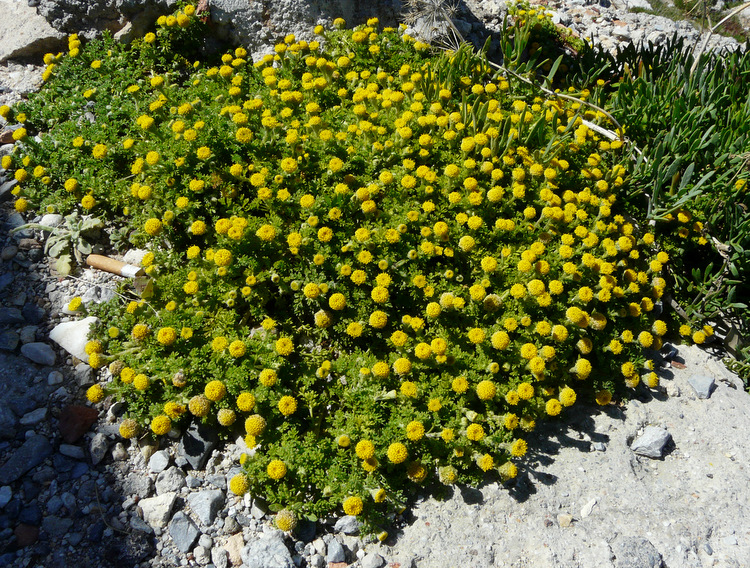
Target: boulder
x,y
24,33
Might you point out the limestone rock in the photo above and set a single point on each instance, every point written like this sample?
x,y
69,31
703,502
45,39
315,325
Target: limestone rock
x,y
73,336
24,33
157,510
651,443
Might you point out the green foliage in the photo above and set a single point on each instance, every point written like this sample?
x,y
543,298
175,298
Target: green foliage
x,y
388,264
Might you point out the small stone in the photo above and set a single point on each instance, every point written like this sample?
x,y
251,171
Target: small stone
x,y
233,547
172,479
588,507
317,561
702,385
28,334
8,422
268,551
159,461
33,313
730,540
136,484
201,555
39,353
55,378
26,535
51,219
11,316
73,336
634,552
5,495
56,527
599,446
98,448
119,453
148,447
206,541
6,280
9,340
183,531
75,452
158,510
347,524
336,552
652,442
9,252
84,375
34,451
372,560
197,444
34,417
219,557
231,525
564,520
206,504
75,420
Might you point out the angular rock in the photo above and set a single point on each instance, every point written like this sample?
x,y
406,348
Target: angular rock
x,y
268,551
202,555
84,375
75,420
158,510
8,422
24,33
34,417
5,495
9,340
98,448
172,479
55,378
73,336
183,531
336,552
702,385
635,552
158,462
206,505
234,546
372,560
56,527
33,313
347,524
11,316
137,484
652,442
75,452
197,444
219,557
33,452
40,353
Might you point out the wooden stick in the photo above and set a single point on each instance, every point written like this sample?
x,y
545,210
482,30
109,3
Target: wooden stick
x,y
114,266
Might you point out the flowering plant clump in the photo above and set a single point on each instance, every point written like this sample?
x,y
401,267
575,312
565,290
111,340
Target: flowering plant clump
x,y
385,265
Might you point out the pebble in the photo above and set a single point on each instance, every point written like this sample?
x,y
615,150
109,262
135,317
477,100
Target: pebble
x,y
206,504
267,551
9,340
652,442
40,353
172,479
6,493
55,378
75,452
564,520
34,417
702,385
158,510
119,453
98,448
183,531
158,461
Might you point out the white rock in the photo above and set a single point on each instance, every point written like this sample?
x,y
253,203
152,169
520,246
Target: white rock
x,y
157,510
24,33
73,336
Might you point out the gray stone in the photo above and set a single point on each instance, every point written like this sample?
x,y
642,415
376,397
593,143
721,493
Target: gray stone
x,y
702,385
5,495
84,375
183,531
73,336
98,448
8,422
11,316
197,444
56,527
8,252
140,525
75,452
159,461
32,313
651,443
372,560
336,552
24,33
158,510
219,557
34,417
40,353
317,561
119,453
137,484
6,279
231,525
28,334
635,552
55,378
9,340
171,479
268,551
202,555
206,541
69,500
206,504
347,524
